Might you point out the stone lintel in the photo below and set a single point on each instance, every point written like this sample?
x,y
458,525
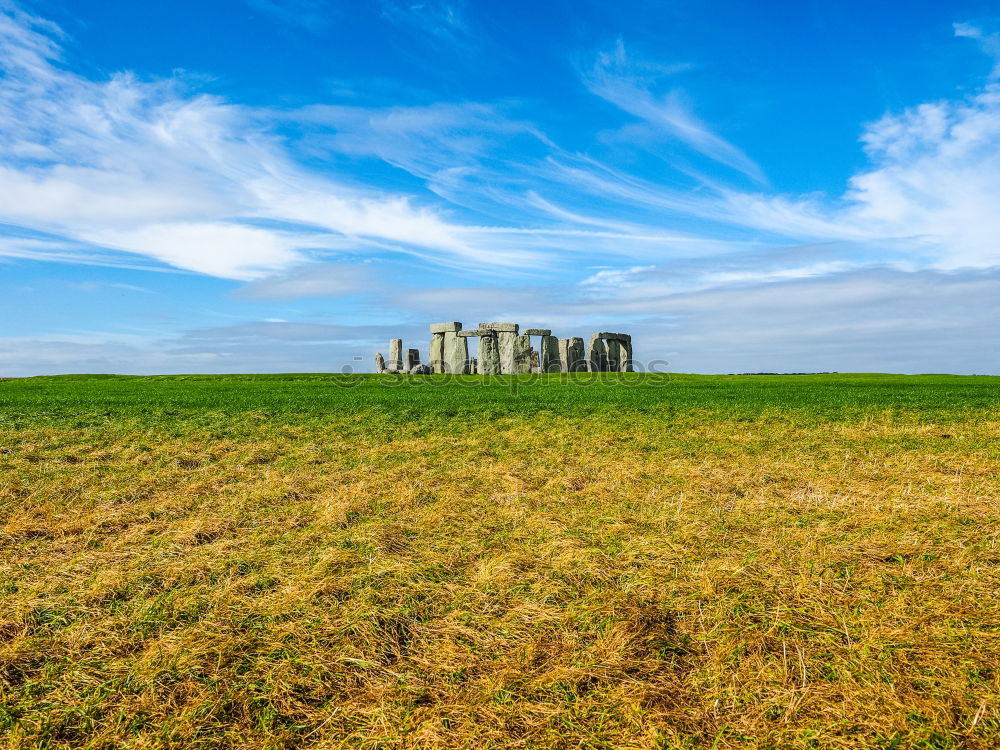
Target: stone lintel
x,y
445,327
506,327
469,333
613,336
537,331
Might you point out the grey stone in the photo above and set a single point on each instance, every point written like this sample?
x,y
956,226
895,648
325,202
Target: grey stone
x,y
469,333
489,355
564,355
437,353
537,331
419,369
536,362
613,336
549,354
379,363
445,327
500,327
522,354
576,355
456,354
412,359
507,345
615,354
474,366
598,354
626,363
395,354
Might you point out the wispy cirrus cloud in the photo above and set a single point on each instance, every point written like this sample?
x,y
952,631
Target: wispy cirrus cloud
x,y
315,280
312,15
635,86
441,20
152,169
988,41
151,173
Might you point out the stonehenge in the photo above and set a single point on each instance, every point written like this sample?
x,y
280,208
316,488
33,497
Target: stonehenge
x,y
598,361
489,353
504,349
572,355
396,365
396,354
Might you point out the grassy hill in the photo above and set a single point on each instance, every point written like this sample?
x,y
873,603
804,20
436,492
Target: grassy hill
x,y
640,561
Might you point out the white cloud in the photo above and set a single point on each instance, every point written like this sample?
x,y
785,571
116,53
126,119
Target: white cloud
x,y
312,15
990,43
319,280
149,168
631,85
134,172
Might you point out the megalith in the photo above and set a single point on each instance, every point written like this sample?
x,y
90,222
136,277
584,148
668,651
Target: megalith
x,y
412,359
454,350
489,354
576,355
522,354
456,354
379,363
437,353
396,354
614,354
620,345
506,344
598,354
549,354
626,344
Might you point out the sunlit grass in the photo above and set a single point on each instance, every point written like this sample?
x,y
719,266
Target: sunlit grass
x,y
285,562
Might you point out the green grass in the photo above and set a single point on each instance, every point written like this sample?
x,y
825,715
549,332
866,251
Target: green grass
x,y
810,396
321,560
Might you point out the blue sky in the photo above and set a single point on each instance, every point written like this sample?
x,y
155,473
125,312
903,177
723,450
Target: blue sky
x,y
261,186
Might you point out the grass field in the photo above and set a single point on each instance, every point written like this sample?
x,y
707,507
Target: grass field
x,y
324,561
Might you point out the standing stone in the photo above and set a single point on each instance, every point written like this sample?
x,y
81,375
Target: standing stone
x,y
489,354
614,350
598,355
564,355
576,355
506,344
626,363
437,353
549,354
379,363
412,359
536,362
474,366
440,347
396,354
456,353
522,354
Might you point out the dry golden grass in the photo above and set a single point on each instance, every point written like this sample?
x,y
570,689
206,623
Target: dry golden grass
x,y
535,581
